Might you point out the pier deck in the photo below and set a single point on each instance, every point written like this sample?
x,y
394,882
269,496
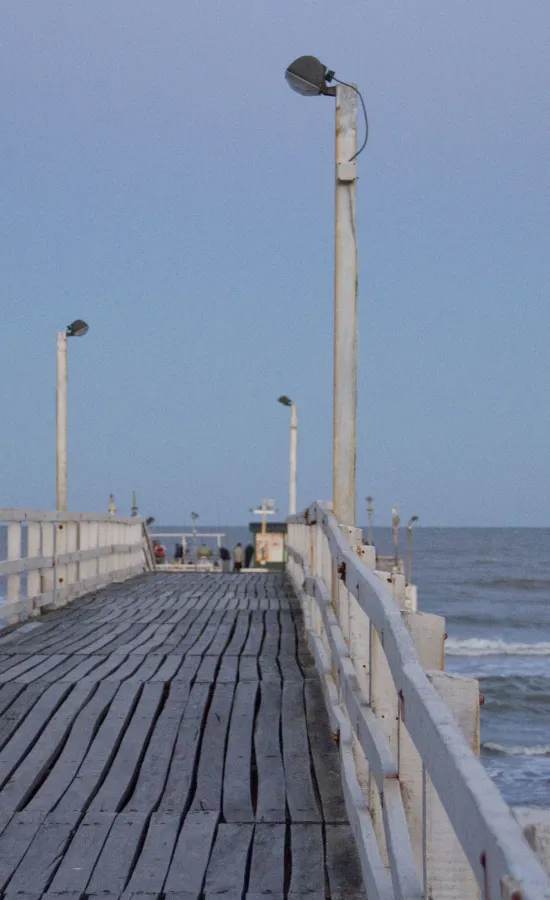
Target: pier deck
x,y
168,737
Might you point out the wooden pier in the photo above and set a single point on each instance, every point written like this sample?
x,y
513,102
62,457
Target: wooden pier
x,y
168,737
273,736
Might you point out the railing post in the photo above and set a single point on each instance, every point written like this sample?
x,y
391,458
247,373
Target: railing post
x,y
72,568
427,632
61,570
14,552
95,564
33,551
83,544
48,545
448,873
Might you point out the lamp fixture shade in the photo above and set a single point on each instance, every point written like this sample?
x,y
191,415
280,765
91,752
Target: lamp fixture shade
x,y
77,328
286,401
307,76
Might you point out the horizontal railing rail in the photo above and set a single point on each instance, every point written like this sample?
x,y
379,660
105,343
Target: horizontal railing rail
x,y
52,557
428,820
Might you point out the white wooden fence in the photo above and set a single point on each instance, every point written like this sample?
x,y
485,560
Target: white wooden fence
x,y
53,557
428,821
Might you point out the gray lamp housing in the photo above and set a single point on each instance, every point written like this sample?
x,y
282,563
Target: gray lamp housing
x,y
77,328
309,77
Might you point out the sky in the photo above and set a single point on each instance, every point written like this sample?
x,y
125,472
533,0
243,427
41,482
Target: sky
x,y
159,180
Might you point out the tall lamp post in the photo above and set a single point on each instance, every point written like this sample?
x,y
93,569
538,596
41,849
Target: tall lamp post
x,y
77,329
310,77
286,401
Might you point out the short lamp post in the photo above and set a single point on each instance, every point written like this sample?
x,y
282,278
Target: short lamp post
x,y
286,401
309,77
77,329
410,524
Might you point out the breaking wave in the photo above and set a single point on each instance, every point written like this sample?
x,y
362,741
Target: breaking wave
x,y
493,647
501,750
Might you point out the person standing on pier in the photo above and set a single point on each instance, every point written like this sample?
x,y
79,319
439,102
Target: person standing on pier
x,y
225,558
238,557
248,554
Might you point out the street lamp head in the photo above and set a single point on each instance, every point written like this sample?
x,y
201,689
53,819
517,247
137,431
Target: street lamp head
x,y
286,401
309,77
77,328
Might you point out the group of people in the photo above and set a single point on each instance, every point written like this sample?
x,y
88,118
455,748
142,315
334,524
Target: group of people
x,y
240,556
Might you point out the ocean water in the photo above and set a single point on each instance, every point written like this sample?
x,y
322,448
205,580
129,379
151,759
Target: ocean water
x,y
493,587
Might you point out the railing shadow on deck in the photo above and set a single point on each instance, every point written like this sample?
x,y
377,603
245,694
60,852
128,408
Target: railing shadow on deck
x,y
428,821
54,557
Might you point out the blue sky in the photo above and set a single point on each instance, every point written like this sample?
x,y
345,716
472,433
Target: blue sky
x,y
159,180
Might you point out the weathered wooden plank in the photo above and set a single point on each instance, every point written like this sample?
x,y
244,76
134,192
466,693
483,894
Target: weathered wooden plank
x,y
177,792
271,800
30,772
288,641
7,662
74,751
82,854
229,670
290,669
146,671
169,667
118,854
255,635
295,738
8,694
110,664
325,756
203,642
207,669
58,672
308,874
270,646
267,869
240,634
13,672
114,790
226,870
102,750
223,635
188,669
15,841
154,768
43,705
37,867
208,794
102,640
248,669
85,668
126,669
37,672
269,669
299,786
188,865
155,857
237,800
342,862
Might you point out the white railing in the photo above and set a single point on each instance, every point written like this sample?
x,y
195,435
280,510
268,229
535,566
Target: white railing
x,y
428,821
53,557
